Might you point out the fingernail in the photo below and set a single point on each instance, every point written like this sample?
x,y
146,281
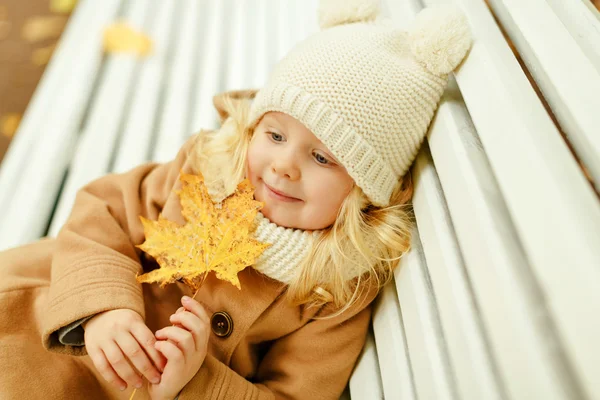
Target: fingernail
x,y
138,385
156,380
185,299
123,387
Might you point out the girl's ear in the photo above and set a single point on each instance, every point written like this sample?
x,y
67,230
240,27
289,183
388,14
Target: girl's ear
x,y
233,96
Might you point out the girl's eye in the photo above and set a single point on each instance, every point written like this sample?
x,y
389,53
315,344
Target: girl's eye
x,y
276,137
320,159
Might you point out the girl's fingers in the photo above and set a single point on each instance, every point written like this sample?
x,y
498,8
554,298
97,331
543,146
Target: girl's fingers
x,y
193,324
195,308
119,363
171,352
138,357
105,369
181,337
146,339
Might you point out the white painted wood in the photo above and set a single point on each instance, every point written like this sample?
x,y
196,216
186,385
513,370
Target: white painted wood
x,y
470,359
27,212
260,51
394,362
272,45
96,143
566,75
312,17
211,61
582,20
239,42
298,28
175,119
141,119
433,376
526,349
284,34
60,68
554,210
365,382
469,353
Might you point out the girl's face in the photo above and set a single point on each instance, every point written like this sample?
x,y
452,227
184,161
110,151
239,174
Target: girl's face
x,y
298,179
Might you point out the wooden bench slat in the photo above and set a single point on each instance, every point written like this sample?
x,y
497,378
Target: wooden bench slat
x,y
433,374
394,363
555,212
568,77
174,123
239,65
138,131
34,190
582,19
284,33
100,135
263,44
506,292
365,382
211,60
469,353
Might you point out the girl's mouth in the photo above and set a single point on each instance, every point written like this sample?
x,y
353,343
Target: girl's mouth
x,y
279,195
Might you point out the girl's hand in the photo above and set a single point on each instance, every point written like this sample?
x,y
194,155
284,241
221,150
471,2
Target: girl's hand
x,y
184,345
119,342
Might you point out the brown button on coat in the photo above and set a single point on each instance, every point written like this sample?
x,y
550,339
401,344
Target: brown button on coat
x,y
273,351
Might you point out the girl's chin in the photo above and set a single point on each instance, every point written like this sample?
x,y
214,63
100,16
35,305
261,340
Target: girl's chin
x,y
275,218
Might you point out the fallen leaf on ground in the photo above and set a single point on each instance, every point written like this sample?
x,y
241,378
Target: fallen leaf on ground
x,y
122,38
62,6
9,124
41,28
215,237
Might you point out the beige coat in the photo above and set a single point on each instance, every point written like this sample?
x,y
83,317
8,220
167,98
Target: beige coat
x,y
274,350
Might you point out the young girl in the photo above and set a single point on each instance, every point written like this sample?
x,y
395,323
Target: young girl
x,y
327,144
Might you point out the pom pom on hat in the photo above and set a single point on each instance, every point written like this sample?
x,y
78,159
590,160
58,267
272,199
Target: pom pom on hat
x,y
368,90
440,38
338,12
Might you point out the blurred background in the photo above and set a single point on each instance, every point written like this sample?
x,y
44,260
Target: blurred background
x,y
29,31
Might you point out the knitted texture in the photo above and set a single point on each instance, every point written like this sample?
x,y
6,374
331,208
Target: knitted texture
x,y
289,247
363,92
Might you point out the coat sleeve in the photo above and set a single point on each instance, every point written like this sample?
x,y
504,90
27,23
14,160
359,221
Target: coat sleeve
x,y
95,264
314,362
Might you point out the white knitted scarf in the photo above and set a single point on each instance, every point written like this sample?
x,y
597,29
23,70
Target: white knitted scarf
x,y
289,247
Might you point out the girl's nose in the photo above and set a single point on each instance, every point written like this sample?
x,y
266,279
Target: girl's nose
x,y
285,167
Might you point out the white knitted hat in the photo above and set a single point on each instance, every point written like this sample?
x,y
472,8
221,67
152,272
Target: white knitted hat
x,y
367,90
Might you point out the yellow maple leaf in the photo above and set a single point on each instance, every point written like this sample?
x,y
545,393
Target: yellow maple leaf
x,y
216,237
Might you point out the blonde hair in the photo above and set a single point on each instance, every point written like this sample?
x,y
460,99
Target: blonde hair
x,y
365,242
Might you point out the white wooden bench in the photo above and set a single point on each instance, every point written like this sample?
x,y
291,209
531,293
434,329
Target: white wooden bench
x,y
499,297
